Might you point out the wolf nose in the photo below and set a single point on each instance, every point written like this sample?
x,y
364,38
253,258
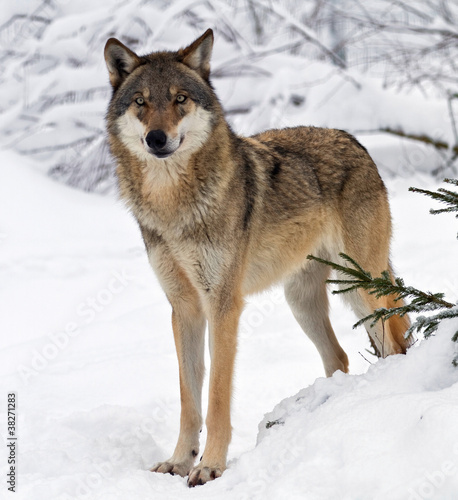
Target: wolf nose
x,y
156,139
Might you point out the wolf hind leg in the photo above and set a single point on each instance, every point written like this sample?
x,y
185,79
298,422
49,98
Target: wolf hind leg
x,y
364,233
307,297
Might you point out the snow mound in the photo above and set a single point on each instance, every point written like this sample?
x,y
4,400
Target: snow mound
x,y
390,428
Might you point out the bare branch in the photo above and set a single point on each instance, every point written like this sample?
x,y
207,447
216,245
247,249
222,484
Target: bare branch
x,y
306,32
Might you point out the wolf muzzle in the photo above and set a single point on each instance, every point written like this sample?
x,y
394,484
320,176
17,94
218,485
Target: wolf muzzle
x,y
160,145
157,141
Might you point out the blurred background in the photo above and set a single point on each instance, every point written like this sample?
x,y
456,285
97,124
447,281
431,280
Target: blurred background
x,y
385,70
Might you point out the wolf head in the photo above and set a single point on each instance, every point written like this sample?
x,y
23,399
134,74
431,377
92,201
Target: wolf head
x,y
163,103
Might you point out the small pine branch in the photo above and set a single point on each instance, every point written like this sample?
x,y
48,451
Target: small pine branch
x,y
442,195
430,324
455,337
382,286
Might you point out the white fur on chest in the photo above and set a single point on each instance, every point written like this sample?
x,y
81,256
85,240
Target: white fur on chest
x,y
204,263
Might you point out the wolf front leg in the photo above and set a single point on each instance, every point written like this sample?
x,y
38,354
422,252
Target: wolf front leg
x,y
223,323
188,323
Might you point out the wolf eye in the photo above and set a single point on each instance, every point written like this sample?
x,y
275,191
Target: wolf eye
x,y
181,98
140,101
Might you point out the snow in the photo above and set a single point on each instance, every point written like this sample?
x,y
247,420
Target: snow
x,y
86,340
395,420
87,345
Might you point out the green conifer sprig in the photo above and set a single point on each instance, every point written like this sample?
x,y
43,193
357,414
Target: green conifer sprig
x,y
442,195
381,286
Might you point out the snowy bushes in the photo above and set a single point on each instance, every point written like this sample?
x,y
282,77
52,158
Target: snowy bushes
x,y
275,64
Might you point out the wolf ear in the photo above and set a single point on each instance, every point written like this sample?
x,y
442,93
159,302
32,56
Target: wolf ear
x,y
120,60
197,55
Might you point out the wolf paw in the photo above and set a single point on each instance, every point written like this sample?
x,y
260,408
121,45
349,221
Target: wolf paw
x,y
180,468
201,475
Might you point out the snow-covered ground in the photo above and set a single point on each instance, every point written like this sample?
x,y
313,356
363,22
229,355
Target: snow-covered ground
x,y
86,344
85,332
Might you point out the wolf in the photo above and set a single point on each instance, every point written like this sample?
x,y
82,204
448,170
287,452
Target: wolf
x,y
224,216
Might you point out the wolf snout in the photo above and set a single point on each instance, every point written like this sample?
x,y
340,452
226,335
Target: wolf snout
x,y
156,140
160,144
